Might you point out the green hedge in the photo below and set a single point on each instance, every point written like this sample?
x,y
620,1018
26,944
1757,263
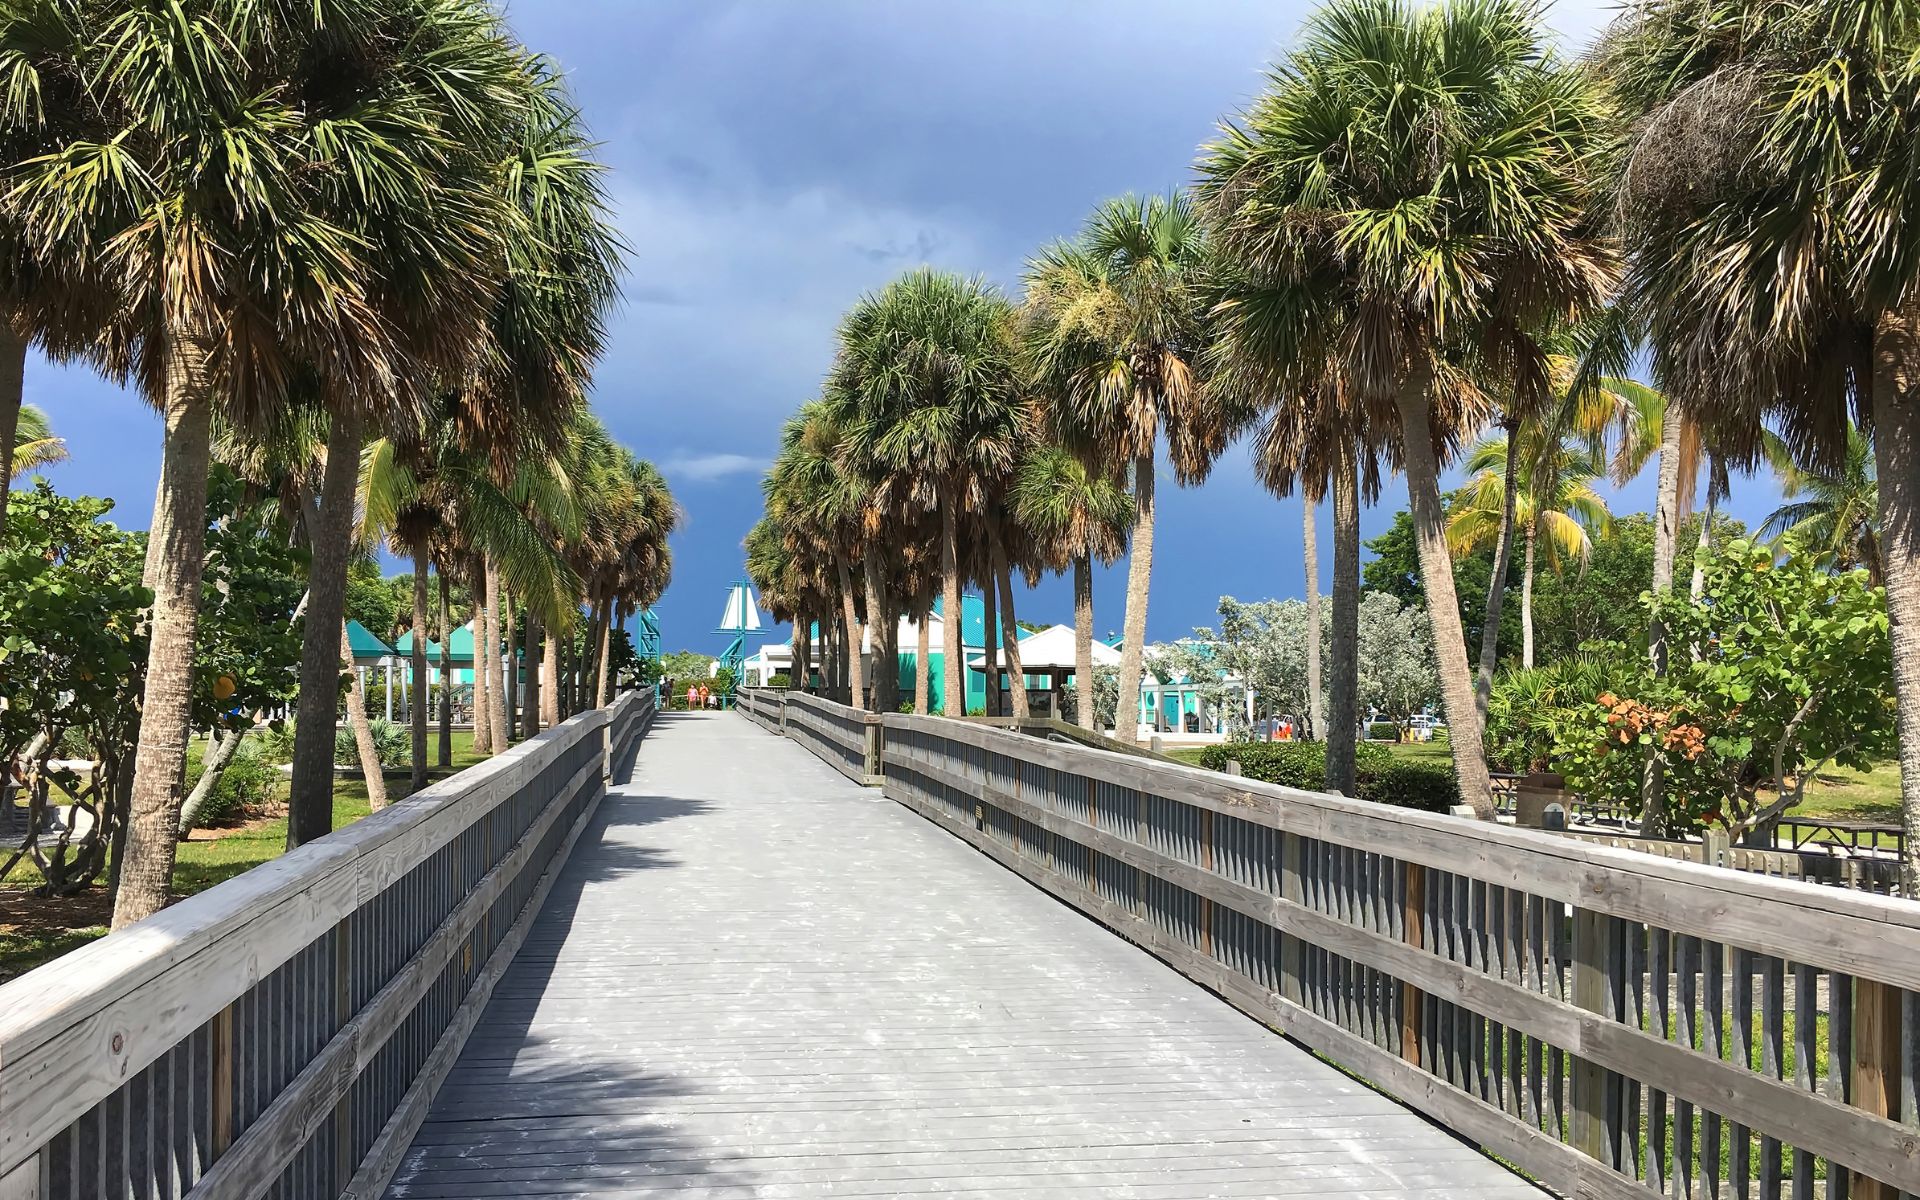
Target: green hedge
x,y
1381,775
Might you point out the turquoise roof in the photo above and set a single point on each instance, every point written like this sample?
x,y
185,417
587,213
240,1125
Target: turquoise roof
x,y
459,646
364,645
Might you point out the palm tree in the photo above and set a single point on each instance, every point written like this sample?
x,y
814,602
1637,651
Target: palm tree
x,y
1074,515
1553,501
34,446
1785,291
816,498
1115,330
303,250
926,367
1832,512
1416,178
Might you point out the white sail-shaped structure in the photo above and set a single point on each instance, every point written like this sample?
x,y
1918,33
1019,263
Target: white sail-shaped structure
x,y
743,612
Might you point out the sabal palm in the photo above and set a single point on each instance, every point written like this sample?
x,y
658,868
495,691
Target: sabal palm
x,y
1555,505
817,500
1420,175
34,446
1075,515
1785,290
331,228
1115,331
926,370
1832,512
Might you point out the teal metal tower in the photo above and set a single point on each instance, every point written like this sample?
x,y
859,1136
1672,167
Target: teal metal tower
x,y
742,616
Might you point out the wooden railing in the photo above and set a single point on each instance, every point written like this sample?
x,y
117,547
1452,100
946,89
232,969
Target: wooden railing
x,y
283,1033
846,738
1612,1023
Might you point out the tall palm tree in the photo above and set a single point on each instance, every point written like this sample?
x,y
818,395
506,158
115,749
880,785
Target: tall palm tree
x,y
1425,169
927,367
305,250
1786,290
816,498
1553,502
34,446
1115,329
1075,515
1833,512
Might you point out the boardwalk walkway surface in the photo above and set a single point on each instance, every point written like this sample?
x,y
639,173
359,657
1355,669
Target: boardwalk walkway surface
x,y
757,979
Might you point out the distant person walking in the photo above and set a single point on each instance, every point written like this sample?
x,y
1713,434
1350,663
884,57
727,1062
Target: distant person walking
x,y
693,697
706,697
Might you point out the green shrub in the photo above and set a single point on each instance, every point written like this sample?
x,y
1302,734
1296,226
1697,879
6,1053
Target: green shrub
x,y
392,744
780,680
1380,775
1383,731
1423,783
245,787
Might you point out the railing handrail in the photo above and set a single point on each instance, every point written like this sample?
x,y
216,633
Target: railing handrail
x,y
76,1029
1850,930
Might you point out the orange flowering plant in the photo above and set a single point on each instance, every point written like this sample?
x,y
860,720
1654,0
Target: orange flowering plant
x,y
1779,669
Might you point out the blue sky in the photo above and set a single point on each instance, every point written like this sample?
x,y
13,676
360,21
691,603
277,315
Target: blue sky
x,y
771,161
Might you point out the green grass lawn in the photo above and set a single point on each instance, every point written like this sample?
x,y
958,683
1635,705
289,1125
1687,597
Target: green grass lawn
x,y
34,930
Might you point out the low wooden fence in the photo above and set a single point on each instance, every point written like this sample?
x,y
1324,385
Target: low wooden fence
x,y
282,1034
1614,1024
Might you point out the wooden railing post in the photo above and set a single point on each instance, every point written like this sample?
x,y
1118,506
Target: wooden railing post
x,y
1587,1122
1876,1067
28,1181
1293,888
221,1102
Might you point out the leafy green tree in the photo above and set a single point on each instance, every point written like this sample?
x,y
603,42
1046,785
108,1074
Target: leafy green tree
x,y
1790,672
1398,673
1766,185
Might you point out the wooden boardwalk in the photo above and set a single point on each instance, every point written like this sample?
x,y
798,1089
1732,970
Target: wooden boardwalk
x,y
757,979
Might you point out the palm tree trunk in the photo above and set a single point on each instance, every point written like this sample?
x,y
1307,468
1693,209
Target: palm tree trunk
x,y
1009,628
1126,713
483,694
850,616
550,681
310,795
530,656
802,666
510,667
1666,527
922,656
1443,603
499,700
1343,644
1526,600
362,729
953,654
176,547
990,633
882,629
1083,683
1896,448
1497,582
602,695
446,675
222,745
13,383
417,695
1704,545
1316,699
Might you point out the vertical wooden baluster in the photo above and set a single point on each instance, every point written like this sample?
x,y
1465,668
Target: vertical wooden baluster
x,y
1414,922
1713,958
1806,1015
1658,1166
1740,1013
1772,1061
1293,889
1876,1066
222,1082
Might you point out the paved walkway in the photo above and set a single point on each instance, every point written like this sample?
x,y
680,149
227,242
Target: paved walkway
x,y
756,979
